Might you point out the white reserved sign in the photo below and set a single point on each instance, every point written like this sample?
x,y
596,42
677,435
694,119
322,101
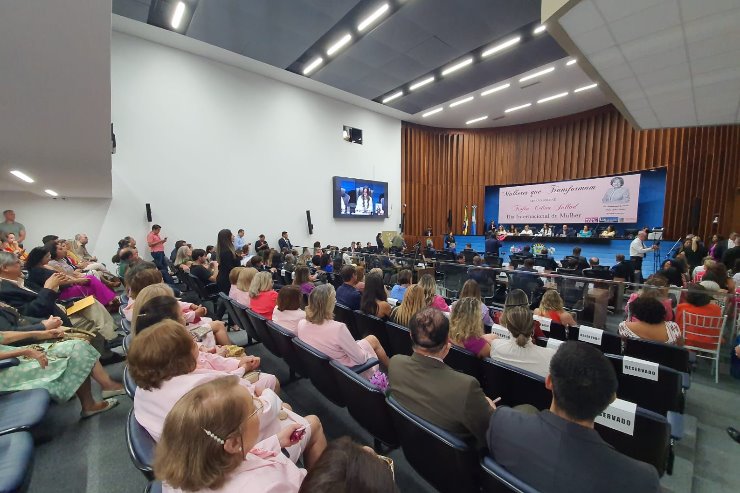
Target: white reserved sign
x,y
500,331
620,416
590,334
392,301
553,343
544,322
640,368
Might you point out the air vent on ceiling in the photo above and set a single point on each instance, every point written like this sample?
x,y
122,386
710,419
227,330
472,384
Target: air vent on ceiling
x,y
529,85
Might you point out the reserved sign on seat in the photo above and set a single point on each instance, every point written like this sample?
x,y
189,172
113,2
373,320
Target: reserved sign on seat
x,y
640,368
620,416
500,331
591,335
544,322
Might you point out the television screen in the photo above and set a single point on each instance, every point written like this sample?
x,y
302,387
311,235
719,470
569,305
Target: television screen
x,y
358,198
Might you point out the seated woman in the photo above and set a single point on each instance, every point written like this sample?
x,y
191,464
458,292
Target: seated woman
x,y
471,289
183,258
233,279
609,232
333,338
515,298
303,279
501,232
585,232
240,293
10,245
288,311
551,306
413,301
163,361
374,300
63,368
360,271
698,272
211,442
466,327
655,287
520,351
513,231
429,285
263,297
76,284
699,301
718,273
403,283
649,323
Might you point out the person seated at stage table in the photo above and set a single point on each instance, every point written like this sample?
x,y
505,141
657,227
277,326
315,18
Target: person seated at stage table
x,y
513,231
501,233
545,231
551,306
526,231
609,232
571,456
649,322
585,232
567,232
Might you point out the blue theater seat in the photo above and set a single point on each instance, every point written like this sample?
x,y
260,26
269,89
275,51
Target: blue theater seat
x,y
140,446
16,457
20,411
128,382
496,479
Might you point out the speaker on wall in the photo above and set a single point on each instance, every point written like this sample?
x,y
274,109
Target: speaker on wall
x,y
449,220
308,222
149,213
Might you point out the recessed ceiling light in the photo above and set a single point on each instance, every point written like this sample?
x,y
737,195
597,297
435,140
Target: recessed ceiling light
x,y
474,120
51,192
502,46
495,89
586,88
372,17
22,176
178,15
430,113
339,44
457,66
550,98
421,83
312,66
537,74
571,62
522,106
393,96
539,29
458,103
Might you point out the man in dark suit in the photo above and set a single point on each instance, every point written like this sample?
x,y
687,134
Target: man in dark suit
x,y
492,244
284,242
571,456
732,254
582,263
567,232
424,385
622,270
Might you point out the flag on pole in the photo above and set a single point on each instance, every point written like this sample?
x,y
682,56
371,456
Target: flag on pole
x,y
473,229
465,222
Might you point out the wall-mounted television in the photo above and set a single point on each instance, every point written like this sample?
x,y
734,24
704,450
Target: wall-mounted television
x,y
362,199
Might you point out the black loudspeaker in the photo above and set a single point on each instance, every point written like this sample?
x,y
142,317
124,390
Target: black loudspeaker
x,y
149,213
695,213
308,221
449,220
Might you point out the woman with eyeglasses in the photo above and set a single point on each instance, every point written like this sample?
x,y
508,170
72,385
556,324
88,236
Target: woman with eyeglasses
x,y
211,441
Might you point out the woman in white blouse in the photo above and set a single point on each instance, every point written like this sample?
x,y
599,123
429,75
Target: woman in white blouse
x,y
364,204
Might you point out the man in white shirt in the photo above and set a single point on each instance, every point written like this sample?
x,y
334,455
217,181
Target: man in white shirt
x,y
637,253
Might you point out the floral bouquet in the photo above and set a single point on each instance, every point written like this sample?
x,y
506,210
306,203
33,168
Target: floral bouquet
x,y
380,380
538,248
515,249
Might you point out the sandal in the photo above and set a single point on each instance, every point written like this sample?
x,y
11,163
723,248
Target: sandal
x,y
109,404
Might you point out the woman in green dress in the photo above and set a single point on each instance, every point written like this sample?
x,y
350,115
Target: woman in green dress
x,y
63,368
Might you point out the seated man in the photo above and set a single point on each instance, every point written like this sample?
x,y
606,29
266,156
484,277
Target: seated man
x,y
582,263
347,294
622,271
424,385
79,248
206,272
570,454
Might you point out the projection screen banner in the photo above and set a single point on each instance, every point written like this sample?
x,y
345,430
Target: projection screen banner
x,y
612,199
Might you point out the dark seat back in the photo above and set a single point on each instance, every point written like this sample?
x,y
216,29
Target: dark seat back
x,y
372,325
347,317
283,340
128,382
366,404
226,301
16,461
23,410
399,339
204,292
260,326
610,343
496,479
240,312
464,361
140,446
318,368
444,460
671,356
558,331
660,396
514,385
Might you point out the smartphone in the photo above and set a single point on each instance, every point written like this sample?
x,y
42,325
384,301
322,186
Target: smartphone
x,y
297,435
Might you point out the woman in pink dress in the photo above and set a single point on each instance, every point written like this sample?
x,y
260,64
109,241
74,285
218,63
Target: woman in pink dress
x,y
430,293
240,293
211,442
333,338
288,311
163,361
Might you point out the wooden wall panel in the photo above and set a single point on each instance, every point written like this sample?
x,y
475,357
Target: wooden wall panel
x,y
445,169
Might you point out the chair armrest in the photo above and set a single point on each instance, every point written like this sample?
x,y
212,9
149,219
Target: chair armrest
x,y
676,422
365,366
7,363
212,289
685,381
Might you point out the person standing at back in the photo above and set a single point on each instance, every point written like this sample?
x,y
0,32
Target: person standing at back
x,y
227,259
570,455
11,226
637,253
156,247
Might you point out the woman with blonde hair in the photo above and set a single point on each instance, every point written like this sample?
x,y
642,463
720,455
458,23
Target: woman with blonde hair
x,y
183,258
233,278
466,327
211,441
471,289
413,301
333,338
519,350
551,306
263,297
240,292
431,298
